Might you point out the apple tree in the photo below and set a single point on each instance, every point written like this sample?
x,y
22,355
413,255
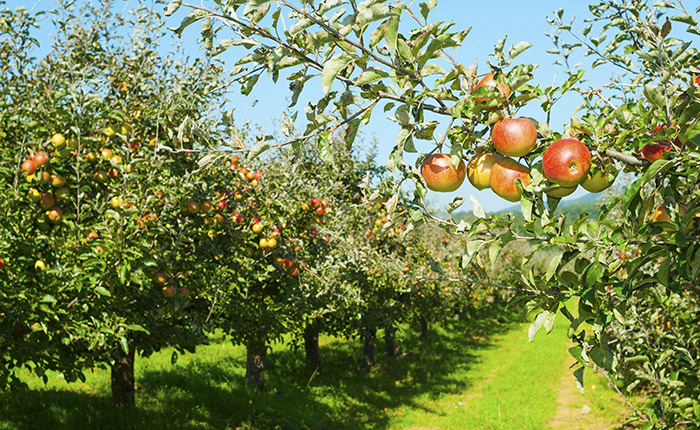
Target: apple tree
x,y
90,175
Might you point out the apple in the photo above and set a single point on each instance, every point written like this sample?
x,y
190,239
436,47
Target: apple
x,y
440,174
319,210
90,157
566,162
28,167
184,291
205,206
489,81
271,242
257,227
324,202
40,158
169,291
58,139
44,177
192,207
34,195
55,215
557,191
479,169
47,201
504,172
315,202
222,204
654,152
2,264
219,219
514,137
58,181
600,178
62,193
106,153
91,235
161,277
40,266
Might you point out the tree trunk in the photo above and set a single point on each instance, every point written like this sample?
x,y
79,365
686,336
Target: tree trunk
x,y
313,353
368,359
123,387
423,329
255,364
392,349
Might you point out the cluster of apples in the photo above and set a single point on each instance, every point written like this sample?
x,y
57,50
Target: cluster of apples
x,y
38,171
566,163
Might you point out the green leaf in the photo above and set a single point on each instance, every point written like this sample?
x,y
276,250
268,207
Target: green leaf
x,y
370,75
655,95
685,18
454,204
48,299
103,291
536,325
258,149
554,264
432,69
578,376
391,31
124,344
173,6
518,49
331,69
426,7
252,5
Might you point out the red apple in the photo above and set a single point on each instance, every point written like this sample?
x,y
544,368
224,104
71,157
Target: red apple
x,y
566,162
654,152
489,81
2,264
479,169
514,137
319,210
504,172
55,215
440,174
222,204
315,202
47,201
28,167
40,159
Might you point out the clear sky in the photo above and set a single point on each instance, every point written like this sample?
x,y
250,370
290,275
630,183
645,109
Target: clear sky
x,y
490,21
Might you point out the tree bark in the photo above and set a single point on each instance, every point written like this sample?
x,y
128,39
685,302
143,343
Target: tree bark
x,y
123,387
255,364
368,359
392,349
423,329
313,353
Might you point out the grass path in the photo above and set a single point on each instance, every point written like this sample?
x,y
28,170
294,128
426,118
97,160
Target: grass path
x,y
475,375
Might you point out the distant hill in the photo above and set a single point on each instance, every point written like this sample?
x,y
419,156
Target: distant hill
x,y
572,208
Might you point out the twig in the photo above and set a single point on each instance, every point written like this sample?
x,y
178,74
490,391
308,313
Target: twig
x,y
610,381
489,284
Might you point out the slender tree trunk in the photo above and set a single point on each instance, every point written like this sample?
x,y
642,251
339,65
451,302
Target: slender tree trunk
x,y
392,349
423,329
123,387
255,364
368,359
313,353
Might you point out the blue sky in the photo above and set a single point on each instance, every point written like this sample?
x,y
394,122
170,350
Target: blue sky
x,y
490,21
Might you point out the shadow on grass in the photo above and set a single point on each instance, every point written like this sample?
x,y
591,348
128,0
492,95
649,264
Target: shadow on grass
x,y
207,391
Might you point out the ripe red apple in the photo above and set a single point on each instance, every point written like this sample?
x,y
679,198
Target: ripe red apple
x,y
55,215
504,172
566,162
40,159
319,210
222,204
479,169
47,201
514,137
440,174
2,264
654,152
28,167
315,202
489,81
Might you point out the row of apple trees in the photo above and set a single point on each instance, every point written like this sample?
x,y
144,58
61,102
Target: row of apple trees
x,y
634,271
134,218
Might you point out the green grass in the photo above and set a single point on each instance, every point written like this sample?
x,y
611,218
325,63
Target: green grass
x,y
481,375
